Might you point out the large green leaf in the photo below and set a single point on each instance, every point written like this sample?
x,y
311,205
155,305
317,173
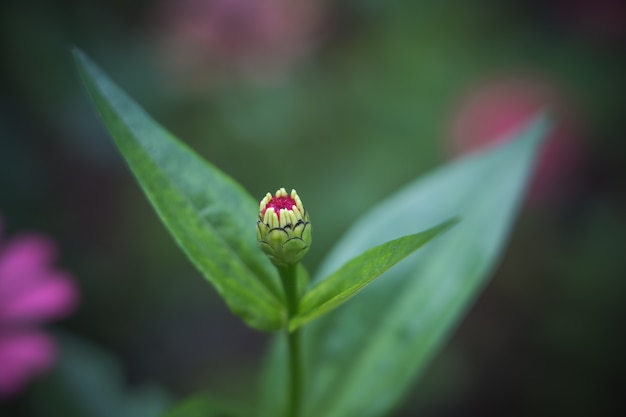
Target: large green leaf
x,y
362,357
354,275
209,214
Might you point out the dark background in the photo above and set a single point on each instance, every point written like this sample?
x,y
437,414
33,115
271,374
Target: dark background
x,y
346,101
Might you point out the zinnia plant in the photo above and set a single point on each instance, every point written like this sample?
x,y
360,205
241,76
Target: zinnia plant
x,y
360,359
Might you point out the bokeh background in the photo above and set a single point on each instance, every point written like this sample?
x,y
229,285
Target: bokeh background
x,y
347,101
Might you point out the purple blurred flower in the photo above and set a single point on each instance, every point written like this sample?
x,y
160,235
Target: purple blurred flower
x,y
32,291
599,19
205,40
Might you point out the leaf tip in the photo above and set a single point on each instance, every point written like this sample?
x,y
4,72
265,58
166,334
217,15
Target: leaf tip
x,y
448,224
538,127
80,57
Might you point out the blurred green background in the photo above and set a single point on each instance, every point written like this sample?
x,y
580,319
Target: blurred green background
x,y
346,101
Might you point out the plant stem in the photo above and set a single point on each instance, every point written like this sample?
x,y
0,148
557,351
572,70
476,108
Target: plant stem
x,y
290,285
295,374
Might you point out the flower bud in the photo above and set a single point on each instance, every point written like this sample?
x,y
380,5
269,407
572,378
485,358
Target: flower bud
x,y
283,228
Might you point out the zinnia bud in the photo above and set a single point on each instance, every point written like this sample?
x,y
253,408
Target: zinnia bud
x,y
283,228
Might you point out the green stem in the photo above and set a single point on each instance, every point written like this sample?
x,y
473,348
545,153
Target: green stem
x,y
290,285
295,373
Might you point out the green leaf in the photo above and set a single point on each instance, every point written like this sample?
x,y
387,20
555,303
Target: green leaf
x,y
362,358
202,405
354,275
209,214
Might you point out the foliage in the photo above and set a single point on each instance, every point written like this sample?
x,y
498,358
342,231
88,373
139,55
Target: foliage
x,y
360,358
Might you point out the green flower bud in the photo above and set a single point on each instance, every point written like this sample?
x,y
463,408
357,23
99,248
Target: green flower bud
x,y
283,229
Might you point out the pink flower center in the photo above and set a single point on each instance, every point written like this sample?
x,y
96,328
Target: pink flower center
x,y
278,203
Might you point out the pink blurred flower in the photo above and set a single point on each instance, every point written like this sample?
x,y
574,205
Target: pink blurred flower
x,y
32,291
205,40
494,110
